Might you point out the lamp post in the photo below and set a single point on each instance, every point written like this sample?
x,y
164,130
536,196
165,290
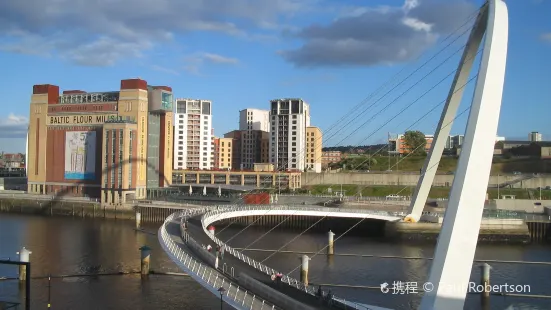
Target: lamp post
x,y
540,186
221,290
49,291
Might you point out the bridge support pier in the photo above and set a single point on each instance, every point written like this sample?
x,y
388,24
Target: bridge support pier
x,y
145,257
138,220
304,270
485,279
330,235
24,256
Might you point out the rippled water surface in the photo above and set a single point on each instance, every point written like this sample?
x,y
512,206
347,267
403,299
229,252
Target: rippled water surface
x,y
75,246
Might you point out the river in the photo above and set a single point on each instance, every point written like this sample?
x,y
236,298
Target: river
x,y
62,245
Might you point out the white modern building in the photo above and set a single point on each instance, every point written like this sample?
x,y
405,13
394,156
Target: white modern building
x,y
254,119
289,118
254,125
193,137
535,136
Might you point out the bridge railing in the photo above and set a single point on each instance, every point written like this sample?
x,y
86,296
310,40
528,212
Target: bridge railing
x,y
226,208
236,296
215,215
354,197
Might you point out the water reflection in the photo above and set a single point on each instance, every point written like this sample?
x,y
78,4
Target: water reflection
x,y
367,271
75,246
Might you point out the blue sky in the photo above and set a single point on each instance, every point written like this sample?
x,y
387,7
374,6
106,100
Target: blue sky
x,y
242,53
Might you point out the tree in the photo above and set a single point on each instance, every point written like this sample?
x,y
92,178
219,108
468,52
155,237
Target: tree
x,y
415,142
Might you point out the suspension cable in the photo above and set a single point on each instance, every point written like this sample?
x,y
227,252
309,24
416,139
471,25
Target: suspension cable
x,y
342,235
433,87
264,234
403,93
394,77
411,104
296,237
419,68
406,91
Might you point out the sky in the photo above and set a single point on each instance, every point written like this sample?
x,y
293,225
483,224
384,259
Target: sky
x,y
367,68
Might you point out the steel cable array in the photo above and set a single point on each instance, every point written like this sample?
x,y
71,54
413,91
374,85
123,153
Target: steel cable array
x,y
419,119
301,152
358,115
412,152
353,111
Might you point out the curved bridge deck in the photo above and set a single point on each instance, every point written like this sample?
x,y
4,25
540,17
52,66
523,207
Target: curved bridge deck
x,y
185,248
263,271
208,277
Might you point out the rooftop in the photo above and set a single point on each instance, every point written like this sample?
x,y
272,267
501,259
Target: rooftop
x,y
78,96
191,99
286,99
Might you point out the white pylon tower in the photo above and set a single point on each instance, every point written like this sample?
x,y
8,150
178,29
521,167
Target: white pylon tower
x,y
451,267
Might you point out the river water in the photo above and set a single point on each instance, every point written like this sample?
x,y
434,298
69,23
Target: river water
x,y
63,245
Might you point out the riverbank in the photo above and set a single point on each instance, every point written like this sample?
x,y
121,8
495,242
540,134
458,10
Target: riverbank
x,y
150,212
489,232
85,209
518,232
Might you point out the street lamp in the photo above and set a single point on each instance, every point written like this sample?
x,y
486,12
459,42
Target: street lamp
x,y
221,290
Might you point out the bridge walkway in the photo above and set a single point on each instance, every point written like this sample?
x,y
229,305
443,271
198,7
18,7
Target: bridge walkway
x,y
246,299
197,233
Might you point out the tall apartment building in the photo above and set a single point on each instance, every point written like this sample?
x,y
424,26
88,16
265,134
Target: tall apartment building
x,y
254,124
100,144
289,118
223,153
535,136
265,148
313,149
193,147
254,119
236,136
456,141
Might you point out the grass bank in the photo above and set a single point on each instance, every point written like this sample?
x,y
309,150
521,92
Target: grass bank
x,y
447,164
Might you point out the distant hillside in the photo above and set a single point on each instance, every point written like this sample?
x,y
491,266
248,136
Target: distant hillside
x,y
447,164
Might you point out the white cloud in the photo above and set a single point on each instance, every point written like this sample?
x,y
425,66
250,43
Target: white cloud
x,y
195,61
14,126
368,36
99,33
219,59
164,70
546,37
